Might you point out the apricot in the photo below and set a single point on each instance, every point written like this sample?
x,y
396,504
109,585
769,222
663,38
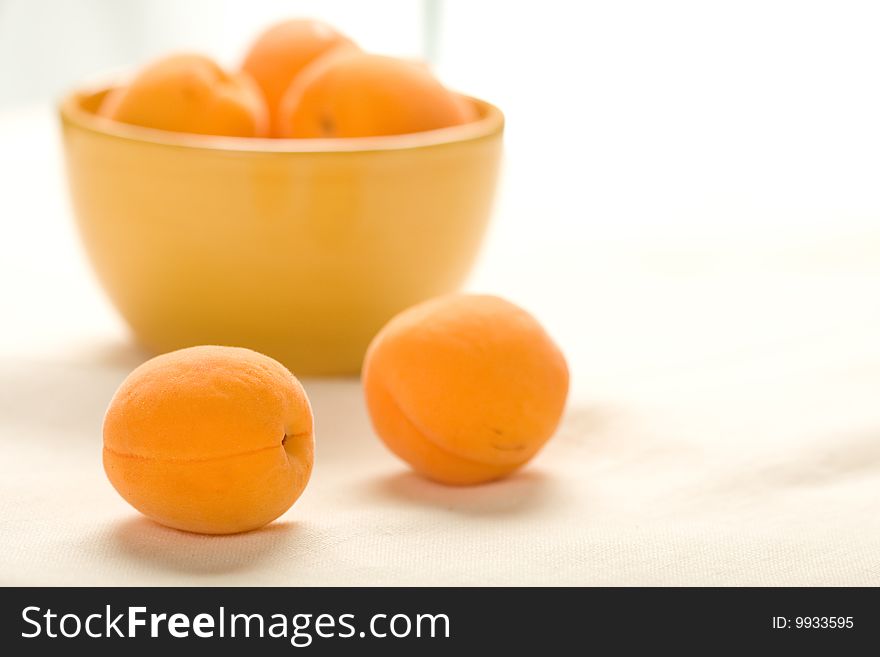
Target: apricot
x,y
283,51
356,94
215,440
190,93
464,388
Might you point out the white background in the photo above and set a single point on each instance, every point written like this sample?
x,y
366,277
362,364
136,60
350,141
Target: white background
x,y
690,203
658,107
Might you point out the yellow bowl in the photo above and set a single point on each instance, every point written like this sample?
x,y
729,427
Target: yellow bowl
x,y
301,249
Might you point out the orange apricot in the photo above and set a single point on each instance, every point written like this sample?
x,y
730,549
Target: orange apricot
x,y
190,93
283,51
215,440
355,94
465,388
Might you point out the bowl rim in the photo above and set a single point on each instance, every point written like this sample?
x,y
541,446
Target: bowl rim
x,y
72,113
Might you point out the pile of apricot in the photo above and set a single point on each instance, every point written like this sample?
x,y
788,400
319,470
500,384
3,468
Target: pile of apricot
x,y
300,79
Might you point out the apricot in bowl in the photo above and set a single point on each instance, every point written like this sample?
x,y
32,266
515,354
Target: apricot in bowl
x,y
298,248
356,94
214,440
190,93
465,388
283,51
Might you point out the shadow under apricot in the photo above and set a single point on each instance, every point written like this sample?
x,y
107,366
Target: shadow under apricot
x,y
145,541
522,493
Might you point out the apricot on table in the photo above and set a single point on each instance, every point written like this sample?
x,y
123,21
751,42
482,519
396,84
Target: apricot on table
x,y
356,94
280,53
215,440
190,93
464,388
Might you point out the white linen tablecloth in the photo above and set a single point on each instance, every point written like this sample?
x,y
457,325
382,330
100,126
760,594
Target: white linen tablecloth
x,y
723,427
